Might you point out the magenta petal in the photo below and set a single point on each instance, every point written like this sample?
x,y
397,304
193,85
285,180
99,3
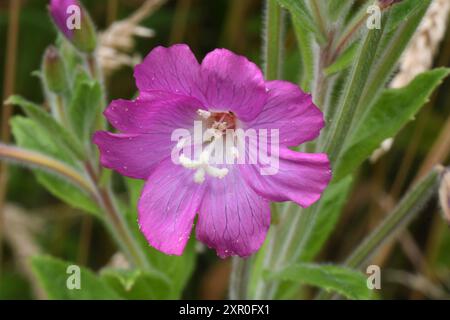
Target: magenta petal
x,y
233,83
58,11
233,219
301,177
167,207
157,112
132,155
291,111
174,69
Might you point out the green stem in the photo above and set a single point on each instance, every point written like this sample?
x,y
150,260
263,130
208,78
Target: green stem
x,y
318,17
344,114
388,60
408,208
113,218
120,228
42,161
116,222
273,40
240,278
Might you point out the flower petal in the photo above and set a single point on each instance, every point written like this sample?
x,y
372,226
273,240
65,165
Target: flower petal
x,y
301,177
174,69
233,219
233,83
291,111
167,207
58,11
157,112
132,155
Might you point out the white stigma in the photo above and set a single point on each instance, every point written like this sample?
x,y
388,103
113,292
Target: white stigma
x,y
202,166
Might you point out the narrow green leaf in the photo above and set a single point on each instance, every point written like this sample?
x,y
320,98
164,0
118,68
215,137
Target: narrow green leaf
x,y
29,135
68,193
349,283
341,124
84,107
400,12
317,227
65,140
134,187
388,54
301,13
53,275
338,9
397,220
391,112
344,61
305,46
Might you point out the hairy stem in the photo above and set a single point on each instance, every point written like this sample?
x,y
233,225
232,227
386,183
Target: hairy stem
x,y
273,40
116,222
44,162
396,221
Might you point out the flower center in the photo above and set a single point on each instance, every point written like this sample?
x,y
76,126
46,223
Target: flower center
x,y
217,124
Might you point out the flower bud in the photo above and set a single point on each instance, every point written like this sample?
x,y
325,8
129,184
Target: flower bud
x,y
387,3
444,194
74,22
54,71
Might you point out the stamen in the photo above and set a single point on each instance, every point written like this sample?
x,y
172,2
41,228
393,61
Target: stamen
x,y
202,166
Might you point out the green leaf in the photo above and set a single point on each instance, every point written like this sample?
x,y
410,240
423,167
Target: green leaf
x,y
30,135
338,9
400,12
391,112
347,282
136,284
84,106
388,54
321,223
305,46
134,187
53,276
341,124
65,140
344,61
176,268
300,12
68,193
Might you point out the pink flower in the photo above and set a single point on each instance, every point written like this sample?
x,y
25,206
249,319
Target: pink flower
x,y
225,91
58,10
